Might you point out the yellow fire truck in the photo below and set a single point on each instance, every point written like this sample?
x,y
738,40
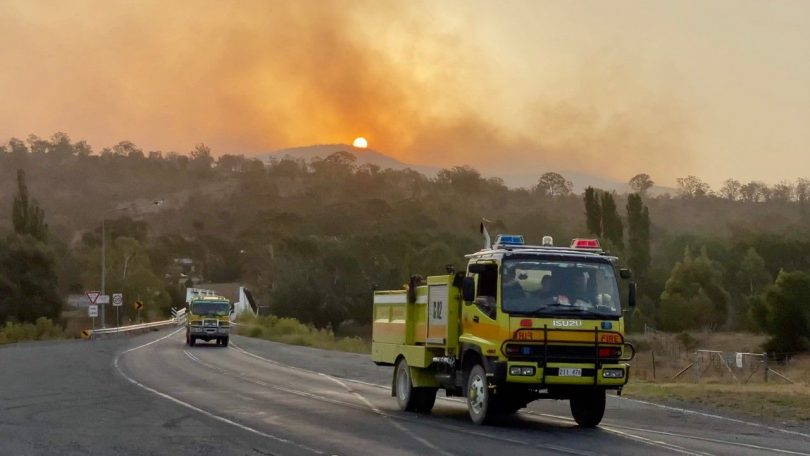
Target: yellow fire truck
x,y
521,323
208,318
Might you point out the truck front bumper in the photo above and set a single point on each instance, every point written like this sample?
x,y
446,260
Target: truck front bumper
x,y
535,374
209,331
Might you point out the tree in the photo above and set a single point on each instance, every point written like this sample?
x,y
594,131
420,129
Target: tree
x,y
783,192
730,189
201,159
693,297
593,212
27,217
60,145
37,145
127,149
751,279
692,187
553,184
801,191
17,147
28,280
787,315
612,227
640,183
754,192
638,235
128,271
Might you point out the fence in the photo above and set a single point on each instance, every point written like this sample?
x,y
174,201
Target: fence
x,y
730,366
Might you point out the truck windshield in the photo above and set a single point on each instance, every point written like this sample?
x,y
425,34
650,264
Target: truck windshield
x,y
549,288
210,308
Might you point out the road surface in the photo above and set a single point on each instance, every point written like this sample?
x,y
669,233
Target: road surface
x,y
152,394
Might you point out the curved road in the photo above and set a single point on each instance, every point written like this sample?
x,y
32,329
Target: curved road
x,y
259,397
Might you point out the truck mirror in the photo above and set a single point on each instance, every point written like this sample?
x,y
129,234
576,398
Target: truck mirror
x,y
625,273
631,294
468,290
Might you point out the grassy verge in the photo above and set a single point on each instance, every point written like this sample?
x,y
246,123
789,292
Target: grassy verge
x,y
765,401
291,331
42,329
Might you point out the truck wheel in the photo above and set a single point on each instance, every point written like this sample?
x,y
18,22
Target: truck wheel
x,y
403,387
588,407
188,338
479,397
192,340
509,404
425,398
224,341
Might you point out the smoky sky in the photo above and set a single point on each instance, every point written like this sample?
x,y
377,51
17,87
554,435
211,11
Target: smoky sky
x,y
254,76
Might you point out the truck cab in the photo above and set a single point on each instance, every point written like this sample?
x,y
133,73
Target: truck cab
x,y
521,323
208,318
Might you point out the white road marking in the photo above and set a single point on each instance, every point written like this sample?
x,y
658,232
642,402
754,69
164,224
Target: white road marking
x,y
394,423
197,409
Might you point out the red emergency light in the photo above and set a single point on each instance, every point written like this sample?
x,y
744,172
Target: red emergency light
x,y
585,244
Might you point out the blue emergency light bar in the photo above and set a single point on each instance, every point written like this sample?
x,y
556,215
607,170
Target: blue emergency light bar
x,y
510,239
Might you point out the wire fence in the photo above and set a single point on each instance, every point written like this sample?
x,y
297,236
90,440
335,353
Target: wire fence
x,y
703,365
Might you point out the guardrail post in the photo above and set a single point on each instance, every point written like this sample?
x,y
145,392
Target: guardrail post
x,y
765,364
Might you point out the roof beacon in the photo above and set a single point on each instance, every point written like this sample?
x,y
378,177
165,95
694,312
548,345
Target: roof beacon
x,y
548,241
585,244
509,239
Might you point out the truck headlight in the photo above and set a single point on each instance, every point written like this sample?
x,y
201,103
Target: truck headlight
x,y
613,373
524,371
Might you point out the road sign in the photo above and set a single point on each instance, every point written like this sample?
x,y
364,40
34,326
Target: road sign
x,y
92,310
92,296
118,300
86,333
103,299
138,305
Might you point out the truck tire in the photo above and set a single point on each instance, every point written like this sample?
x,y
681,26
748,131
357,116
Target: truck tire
x,y
192,340
403,387
224,341
509,404
188,338
479,397
425,398
588,407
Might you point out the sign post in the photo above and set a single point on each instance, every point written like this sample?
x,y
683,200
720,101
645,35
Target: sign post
x,y
92,309
138,307
117,302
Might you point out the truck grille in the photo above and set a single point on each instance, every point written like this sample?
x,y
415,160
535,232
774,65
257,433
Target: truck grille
x,y
556,353
210,323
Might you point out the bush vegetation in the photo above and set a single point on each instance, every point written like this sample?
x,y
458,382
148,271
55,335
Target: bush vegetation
x,y
42,329
291,331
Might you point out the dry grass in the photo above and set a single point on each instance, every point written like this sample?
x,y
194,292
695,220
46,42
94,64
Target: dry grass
x,y
765,401
743,392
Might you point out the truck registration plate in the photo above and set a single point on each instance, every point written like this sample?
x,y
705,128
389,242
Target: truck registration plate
x,y
570,372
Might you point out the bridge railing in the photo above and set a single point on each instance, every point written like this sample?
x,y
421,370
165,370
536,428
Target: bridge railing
x,y
178,318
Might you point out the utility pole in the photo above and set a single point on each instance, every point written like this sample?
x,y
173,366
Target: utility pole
x,y
104,258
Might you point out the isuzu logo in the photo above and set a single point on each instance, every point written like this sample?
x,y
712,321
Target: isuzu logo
x,y
566,323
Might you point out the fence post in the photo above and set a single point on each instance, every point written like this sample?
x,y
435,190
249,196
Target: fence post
x,y
697,367
765,364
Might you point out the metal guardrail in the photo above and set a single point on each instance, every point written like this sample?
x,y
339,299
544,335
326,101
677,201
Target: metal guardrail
x,y
178,317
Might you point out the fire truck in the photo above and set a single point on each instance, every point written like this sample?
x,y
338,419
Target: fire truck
x,y
521,323
208,318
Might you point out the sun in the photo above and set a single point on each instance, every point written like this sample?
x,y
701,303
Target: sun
x,y
360,142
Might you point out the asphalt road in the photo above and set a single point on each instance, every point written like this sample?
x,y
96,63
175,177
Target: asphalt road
x,y
152,394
